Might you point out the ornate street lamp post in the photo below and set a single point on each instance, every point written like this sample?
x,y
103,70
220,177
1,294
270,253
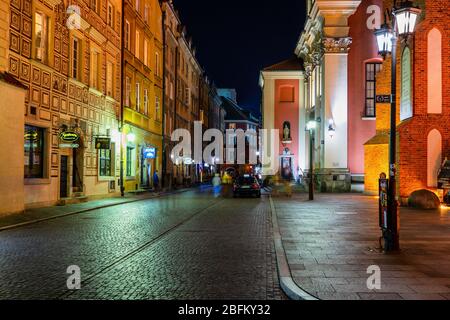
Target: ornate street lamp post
x,y
404,20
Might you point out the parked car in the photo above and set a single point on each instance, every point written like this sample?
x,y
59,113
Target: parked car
x,y
246,185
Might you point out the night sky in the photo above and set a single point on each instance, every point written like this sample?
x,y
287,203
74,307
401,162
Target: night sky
x,y
235,39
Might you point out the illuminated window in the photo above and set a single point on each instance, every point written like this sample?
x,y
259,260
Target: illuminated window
x,y
34,152
127,35
41,30
138,96
138,39
146,102
371,71
110,16
105,163
131,161
76,58
145,52
109,78
94,69
157,63
157,108
127,91
146,12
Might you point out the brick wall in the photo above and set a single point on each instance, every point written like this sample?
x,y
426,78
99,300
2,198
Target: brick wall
x,y
412,133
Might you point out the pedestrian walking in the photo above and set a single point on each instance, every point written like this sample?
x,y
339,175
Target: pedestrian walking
x,y
155,181
216,185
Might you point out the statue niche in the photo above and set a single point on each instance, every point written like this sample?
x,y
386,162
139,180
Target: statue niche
x,y
287,132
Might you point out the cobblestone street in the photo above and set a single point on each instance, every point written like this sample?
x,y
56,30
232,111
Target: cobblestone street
x,y
184,246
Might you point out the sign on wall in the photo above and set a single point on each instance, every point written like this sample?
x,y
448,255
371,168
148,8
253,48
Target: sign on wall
x,y
68,136
149,153
102,143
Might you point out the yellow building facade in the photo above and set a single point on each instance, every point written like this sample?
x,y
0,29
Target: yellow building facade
x,y
142,114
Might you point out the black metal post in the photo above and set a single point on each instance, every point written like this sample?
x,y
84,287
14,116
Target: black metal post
x,y
311,167
392,242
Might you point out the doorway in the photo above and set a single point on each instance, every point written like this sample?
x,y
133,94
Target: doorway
x,y
77,170
286,168
63,186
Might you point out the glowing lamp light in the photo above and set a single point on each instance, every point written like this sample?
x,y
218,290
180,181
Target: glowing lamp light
x,y
131,137
384,37
406,17
331,128
115,136
311,125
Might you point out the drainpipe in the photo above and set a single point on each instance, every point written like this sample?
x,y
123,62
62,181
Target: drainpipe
x,y
121,124
164,155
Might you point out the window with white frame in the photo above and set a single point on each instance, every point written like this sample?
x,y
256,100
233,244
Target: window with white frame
x,y
157,108
110,15
146,102
146,52
94,69
105,162
157,64
41,36
171,91
138,39
138,96
146,12
109,78
131,161
127,35
127,91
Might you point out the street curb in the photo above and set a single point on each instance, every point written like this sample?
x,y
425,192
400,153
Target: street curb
x,y
21,224
287,283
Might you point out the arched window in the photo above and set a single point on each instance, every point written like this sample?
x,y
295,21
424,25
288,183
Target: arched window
x,y
434,157
434,71
406,110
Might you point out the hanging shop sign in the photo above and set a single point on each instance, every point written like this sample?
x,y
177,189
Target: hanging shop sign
x,y
149,153
69,136
102,143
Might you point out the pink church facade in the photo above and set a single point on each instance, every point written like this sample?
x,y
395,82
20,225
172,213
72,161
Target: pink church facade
x,y
333,84
283,110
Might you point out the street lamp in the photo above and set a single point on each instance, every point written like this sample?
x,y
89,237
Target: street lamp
x,y
404,20
310,126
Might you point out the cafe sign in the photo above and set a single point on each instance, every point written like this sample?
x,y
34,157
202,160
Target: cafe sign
x,y
69,137
102,143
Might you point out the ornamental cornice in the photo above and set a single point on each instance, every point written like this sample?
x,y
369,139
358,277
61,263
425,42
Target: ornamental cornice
x,y
337,45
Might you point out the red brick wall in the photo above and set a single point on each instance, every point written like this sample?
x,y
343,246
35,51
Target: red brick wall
x,y
413,133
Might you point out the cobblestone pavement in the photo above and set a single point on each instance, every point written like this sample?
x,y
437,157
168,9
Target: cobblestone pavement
x,y
184,246
331,241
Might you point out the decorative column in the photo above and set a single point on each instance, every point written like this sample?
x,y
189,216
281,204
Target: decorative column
x,y
336,102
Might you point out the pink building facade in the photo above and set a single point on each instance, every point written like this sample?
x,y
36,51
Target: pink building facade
x,y
334,85
283,110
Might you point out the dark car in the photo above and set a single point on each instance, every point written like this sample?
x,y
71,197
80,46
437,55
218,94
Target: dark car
x,y
246,185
